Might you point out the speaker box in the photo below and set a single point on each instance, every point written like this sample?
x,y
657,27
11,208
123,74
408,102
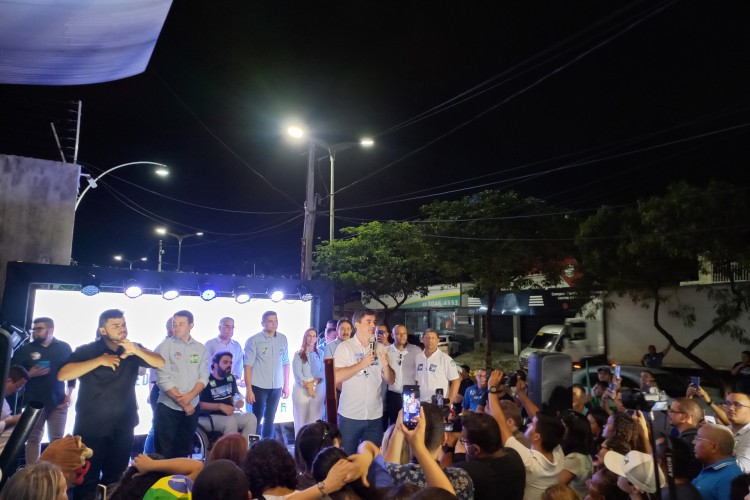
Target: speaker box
x,y
549,380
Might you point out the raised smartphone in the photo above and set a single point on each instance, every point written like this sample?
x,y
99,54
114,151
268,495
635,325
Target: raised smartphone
x,y
252,439
695,382
617,371
411,405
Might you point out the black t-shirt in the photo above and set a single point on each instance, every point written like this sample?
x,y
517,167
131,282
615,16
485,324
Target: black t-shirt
x,y
501,477
219,391
106,402
46,389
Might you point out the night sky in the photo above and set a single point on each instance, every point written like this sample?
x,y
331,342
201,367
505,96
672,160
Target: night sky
x,y
579,103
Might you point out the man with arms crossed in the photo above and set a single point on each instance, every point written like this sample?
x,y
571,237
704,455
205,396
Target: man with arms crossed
x,y
436,370
42,358
266,372
106,409
225,343
181,380
360,366
402,360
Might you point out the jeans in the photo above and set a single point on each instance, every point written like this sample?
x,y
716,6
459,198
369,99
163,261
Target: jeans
x,y
266,403
55,418
354,432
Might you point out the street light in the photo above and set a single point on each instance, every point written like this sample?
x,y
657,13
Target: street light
x,y
307,234
161,171
180,237
120,258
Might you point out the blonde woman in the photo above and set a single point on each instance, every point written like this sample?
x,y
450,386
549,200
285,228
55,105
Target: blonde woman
x,y
41,481
309,393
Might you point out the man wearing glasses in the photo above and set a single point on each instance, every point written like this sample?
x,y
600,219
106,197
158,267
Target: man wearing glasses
x,y
402,358
713,447
737,408
42,358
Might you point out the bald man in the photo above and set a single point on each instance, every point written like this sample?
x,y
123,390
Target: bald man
x,y
713,447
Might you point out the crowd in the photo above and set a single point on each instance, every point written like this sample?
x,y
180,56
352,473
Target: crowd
x,y
478,438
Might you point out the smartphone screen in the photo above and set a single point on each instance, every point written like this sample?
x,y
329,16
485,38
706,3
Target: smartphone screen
x,y
252,439
101,492
695,382
411,405
617,371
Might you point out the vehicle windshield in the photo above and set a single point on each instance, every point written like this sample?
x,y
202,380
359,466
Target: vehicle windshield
x,y
543,340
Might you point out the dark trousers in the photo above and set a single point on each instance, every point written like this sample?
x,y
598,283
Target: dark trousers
x,y
174,431
110,459
266,403
393,402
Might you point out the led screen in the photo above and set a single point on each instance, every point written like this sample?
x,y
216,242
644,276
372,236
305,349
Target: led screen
x,y
76,319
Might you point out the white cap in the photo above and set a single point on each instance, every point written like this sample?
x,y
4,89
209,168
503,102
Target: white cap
x,y
637,467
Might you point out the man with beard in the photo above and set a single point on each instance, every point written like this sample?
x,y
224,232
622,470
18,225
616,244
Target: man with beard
x,y
218,400
42,358
106,409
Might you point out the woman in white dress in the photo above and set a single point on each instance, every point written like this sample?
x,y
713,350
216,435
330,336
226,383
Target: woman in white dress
x,y
308,395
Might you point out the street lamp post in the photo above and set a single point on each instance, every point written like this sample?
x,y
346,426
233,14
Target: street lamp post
x,y
161,170
120,258
332,150
180,237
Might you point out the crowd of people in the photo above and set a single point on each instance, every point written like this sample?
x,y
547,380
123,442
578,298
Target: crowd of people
x,y
467,438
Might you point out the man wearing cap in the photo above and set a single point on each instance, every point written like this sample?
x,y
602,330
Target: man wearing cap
x,y
713,446
636,471
605,374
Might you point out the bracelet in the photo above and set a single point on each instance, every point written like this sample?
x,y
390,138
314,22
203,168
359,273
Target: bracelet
x,y
709,403
322,488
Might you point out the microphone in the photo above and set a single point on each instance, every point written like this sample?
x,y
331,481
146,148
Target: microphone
x,y
372,342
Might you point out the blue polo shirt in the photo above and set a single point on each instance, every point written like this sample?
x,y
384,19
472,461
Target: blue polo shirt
x,y
714,481
267,356
473,396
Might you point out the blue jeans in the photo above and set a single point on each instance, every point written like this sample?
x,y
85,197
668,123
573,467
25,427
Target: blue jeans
x,y
266,403
354,432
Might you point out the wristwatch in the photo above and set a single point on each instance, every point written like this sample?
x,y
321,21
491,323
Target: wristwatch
x,y
494,390
322,489
448,449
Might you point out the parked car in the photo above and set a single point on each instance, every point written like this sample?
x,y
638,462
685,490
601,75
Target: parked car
x,y
448,344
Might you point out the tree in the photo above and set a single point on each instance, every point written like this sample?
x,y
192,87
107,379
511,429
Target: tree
x,y
637,251
382,260
498,240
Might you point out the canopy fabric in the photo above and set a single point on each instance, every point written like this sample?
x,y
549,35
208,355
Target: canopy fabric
x,y
77,42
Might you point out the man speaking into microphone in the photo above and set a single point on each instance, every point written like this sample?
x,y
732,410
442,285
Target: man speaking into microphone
x,y
360,366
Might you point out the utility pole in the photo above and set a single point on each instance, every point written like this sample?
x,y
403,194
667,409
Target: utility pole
x,y
161,252
307,235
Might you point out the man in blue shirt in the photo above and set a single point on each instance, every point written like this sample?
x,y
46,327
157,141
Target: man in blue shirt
x,y
266,372
714,446
475,393
653,359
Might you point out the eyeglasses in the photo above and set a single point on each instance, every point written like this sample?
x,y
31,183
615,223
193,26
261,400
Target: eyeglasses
x,y
734,404
698,438
675,411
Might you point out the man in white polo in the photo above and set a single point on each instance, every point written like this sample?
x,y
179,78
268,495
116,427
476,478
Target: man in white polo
x,y
360,366
402,358
436,370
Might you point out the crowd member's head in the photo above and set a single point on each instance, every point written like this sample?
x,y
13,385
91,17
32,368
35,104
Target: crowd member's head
x,y
404,456
434,432
309,343
599,388
41,481
737,408
481,377
182,324
465,372
512,414
636,471
713,443
268,464
647,381
43,330
684,413
604,374
579,397
17,378
168,327
577,437
221,480
545,433
621,426
612,444
135,485
597,418
330,335
400,335
559,492
312,438
481,434
603,486
226,329
221,364
324,462
344,329
229,447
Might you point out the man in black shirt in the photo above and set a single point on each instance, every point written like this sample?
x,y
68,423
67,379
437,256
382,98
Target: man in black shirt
x,y
106,410
42,358
219,399
492,468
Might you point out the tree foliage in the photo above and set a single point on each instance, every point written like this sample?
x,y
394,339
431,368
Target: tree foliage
x,y
498,240
639,250
381,259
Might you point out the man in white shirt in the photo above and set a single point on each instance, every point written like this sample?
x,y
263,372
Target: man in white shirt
x,y
544,460
402,358
360,366
436,370
737,408
225,343
17,378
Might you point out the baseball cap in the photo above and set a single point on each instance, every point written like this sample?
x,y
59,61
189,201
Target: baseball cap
x,y
604,369
637,467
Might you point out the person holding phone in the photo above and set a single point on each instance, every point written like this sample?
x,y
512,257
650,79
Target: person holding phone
x,y
42,358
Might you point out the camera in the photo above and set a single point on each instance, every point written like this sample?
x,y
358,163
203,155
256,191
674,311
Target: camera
x,y
633,399
511,380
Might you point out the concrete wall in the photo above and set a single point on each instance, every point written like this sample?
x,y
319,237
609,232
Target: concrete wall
x,y
37,211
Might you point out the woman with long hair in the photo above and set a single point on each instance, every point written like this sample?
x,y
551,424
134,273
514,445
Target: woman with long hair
x,y
229,447
308,395
578,446
41,481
